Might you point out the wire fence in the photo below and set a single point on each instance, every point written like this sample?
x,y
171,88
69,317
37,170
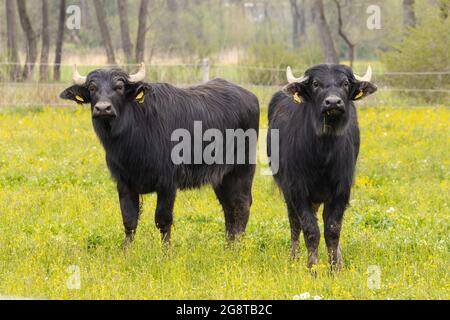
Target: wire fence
x,y
395,88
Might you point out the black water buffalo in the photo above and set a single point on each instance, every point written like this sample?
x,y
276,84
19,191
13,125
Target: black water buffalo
x,y
318,148
135,121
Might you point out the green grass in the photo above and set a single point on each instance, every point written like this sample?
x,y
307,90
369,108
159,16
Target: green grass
x,y
59,207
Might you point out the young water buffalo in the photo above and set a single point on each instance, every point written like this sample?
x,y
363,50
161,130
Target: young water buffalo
x,y
318,148
136,121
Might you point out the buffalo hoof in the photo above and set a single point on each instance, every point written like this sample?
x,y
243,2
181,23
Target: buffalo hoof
x,y
336,266
127,242
335,259
294,249
165,237
313,260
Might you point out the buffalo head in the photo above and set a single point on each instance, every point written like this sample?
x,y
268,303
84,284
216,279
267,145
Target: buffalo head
x,y
327,91
108,91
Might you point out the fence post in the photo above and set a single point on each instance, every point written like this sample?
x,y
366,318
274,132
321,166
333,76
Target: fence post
x,y
205,67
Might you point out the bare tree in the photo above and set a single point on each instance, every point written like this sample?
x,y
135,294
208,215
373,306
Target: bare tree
x,y
87,13
171,22
326,41
350,45
409,17
43,69
142,29
31,40
124,28
13,55
104,31
59,41
298,22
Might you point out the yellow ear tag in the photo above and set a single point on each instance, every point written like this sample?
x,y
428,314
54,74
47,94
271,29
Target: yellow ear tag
x,y
79,99
359,95
140,97
297,98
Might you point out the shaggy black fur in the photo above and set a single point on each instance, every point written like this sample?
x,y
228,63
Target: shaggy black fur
x,y
137,141
318,148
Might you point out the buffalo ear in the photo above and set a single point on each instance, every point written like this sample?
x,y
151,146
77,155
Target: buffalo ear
x,y
76,93
138,91
363,89
295,90
291,88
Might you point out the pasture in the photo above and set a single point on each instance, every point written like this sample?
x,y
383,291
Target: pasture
x,y
60,218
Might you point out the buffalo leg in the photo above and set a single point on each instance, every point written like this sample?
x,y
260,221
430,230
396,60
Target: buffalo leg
x,y
129,205
310,228
235,196
332,217
294,223
164,212
244,199
296,226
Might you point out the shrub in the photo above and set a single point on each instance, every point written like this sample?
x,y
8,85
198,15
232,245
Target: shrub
x,y
424,48
266,64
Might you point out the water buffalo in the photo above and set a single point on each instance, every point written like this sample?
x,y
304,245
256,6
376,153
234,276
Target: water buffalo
x,y
135,122
318,148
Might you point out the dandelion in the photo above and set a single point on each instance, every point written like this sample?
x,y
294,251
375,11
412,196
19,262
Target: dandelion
x,y
303,296
390,210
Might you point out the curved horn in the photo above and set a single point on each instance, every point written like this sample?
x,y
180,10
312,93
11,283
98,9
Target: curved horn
x,y
290,77
138,76
367,77
76,77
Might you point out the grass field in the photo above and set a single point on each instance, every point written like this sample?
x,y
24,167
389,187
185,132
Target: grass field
x,y
59,217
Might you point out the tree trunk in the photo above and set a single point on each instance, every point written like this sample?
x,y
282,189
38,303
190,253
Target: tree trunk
x,y
86,11
409,17
31,40
171,23
326,41
302,23
104,31
13,55
298,22
350,45
124,28
59,41
43,71
142,29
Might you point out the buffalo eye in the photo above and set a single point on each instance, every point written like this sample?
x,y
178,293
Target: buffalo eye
x,y
92,89
345,84
315,84
119,88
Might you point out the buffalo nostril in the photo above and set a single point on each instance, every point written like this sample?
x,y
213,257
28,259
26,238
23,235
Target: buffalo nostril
x,y
103,108
333,101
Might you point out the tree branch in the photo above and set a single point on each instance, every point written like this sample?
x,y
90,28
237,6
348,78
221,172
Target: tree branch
x,y
351,46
